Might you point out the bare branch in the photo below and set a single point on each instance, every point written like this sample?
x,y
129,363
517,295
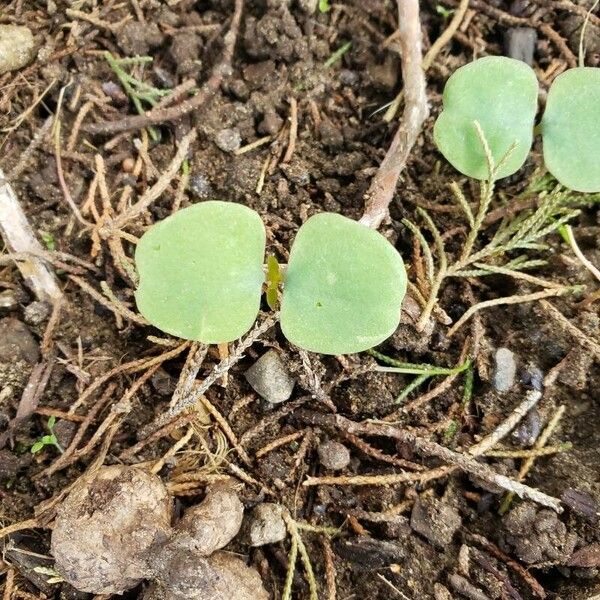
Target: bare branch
x,y
416,110
20,238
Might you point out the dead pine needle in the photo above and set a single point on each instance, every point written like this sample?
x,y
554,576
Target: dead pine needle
x,y
428,448
297,546
548,293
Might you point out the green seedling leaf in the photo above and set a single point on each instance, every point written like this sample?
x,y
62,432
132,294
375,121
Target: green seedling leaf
x,y
201,272
500,94
274,278
571,129
343,288
37,446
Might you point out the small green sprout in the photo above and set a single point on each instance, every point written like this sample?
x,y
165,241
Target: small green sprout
x,y
139,91
337,55
274,279
49,240
446,13
324,6
201,278
47,440
496,98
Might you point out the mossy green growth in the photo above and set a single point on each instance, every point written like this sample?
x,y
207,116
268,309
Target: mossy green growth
x,y
201,272
571,129
498,93
343,289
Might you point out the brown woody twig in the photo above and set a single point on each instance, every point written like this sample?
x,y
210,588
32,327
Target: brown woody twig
x,y
416,110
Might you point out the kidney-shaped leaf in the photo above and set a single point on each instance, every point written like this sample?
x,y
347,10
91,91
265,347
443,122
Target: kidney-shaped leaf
x,y
571,129
201,272
343,288
501,95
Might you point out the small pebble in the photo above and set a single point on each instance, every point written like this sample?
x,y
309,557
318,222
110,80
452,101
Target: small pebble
x,y
296,172
36,313
228,140
519,43
528,431
16,342
270,378
128,164
505,369
582,503
533,377
348,77
266,525
435,520
200,186
333,455
16,47
271,123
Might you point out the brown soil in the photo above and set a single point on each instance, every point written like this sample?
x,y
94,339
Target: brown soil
x,y
280,54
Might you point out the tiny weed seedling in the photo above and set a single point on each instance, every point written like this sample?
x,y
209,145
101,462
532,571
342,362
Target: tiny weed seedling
x,y
496,98
47,440
201,278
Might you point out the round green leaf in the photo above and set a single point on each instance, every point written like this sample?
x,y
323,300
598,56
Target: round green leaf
x,y
343,288
501,95
201,272
571,129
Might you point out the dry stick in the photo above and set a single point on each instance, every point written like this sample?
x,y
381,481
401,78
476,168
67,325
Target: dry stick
x,y
431,449
118,309
389,479
548,293
190,370
216,374
489,441
131,367
379,455
492,549
579,254
19,237
87,421
160,186
28,524
35,142
560,43
173,450
529,453
208,90
293,131
61,177
539,445
382,188
330,574
579,335
9,584
282,441
432,53
225,427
